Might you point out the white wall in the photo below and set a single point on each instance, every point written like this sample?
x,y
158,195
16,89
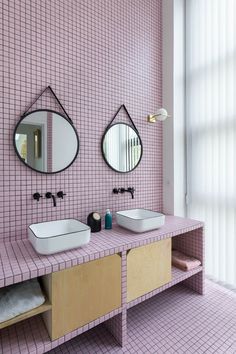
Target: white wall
x,y
174,169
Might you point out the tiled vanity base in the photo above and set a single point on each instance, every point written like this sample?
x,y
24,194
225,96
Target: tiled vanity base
x,y
20,262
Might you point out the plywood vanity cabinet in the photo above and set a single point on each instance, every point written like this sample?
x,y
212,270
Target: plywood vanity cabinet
x,y
82,294
148,268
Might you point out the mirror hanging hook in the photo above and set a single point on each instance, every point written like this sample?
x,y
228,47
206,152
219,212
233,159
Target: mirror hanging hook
x,y
55,97
127,113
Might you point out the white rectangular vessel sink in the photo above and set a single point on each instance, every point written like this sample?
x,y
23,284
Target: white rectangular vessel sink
x,y
140,220
59,235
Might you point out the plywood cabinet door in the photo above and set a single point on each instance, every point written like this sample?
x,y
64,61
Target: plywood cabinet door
x,y
83,293
148,268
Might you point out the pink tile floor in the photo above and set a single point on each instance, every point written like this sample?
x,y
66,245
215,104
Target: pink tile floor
x,y
173,322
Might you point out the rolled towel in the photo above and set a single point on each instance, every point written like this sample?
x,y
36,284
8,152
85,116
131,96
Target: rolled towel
x,y
19,298
184,262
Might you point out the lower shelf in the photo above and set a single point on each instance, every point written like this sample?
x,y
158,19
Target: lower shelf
x,y
31,336
36,311
177,276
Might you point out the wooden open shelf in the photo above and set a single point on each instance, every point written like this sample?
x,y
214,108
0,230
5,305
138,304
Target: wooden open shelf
x,y
46,306
178,276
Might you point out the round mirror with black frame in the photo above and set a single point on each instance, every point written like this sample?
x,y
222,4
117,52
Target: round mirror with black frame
x,y
46,141
122,147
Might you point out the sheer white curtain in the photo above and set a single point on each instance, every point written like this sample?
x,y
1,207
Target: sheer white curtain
x,y
211,129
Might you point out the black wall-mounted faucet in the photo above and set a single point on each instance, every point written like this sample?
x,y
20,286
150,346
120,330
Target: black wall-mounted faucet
x,y
130,190
49,195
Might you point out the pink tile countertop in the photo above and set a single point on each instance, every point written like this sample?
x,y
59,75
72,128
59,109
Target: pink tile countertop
x,y
19,261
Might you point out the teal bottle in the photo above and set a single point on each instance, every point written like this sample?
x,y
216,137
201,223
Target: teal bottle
x,y
108,220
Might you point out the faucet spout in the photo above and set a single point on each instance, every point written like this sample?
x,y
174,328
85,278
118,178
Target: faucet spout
x,y
49,195
131,191
54,200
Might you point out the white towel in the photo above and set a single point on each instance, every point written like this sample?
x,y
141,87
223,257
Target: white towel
x,y
19,298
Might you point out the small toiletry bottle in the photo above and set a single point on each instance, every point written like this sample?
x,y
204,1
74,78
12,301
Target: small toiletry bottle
x,y
108,220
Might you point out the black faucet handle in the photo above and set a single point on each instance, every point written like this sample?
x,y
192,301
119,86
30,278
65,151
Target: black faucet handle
x,y
37,196
60,194
115,190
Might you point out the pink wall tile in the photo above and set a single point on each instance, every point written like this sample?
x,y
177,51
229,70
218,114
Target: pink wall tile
x,y
96,55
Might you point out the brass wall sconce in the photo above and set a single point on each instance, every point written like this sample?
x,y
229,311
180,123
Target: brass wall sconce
x,y
161,115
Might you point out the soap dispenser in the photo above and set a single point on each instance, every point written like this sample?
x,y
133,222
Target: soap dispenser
x,y
94,222
108,220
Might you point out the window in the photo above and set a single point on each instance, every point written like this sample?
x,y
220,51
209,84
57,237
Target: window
x,y
211,129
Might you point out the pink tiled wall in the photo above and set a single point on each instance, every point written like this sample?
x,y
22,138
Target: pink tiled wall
x,y
96,55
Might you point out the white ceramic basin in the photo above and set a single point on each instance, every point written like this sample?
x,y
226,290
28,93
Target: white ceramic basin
x,y
57,236
140,220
